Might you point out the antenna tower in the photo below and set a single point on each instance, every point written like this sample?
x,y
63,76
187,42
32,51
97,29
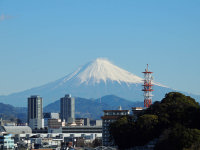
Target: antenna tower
x,y
147,87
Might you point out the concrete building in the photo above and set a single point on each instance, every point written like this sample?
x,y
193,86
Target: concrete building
x,y
49,115
16,129
84,121
82,129
44,142
67,109
95,122
55,125
35,112
41,140
109,117
87,122
6,141
79,122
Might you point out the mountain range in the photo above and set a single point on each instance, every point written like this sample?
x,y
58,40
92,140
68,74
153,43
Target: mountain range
x,y
93,108
93,80
89,108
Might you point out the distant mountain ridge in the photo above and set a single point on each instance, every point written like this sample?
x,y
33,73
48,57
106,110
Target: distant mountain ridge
x,y
90,108
93,108
93,80
8,112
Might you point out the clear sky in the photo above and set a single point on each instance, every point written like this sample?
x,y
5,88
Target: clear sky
x,y
44,40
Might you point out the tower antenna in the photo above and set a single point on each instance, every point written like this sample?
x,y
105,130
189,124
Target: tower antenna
x,y
147,87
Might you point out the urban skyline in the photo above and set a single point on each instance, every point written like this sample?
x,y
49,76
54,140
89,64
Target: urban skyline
x,y
66,66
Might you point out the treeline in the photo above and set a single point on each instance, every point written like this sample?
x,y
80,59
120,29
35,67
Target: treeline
x,y
174,123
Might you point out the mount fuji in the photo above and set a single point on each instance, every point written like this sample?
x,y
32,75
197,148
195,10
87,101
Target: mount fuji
x,y
93,80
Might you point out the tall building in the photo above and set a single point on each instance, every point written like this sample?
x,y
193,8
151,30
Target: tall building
x,y
35,113
109,117
67,109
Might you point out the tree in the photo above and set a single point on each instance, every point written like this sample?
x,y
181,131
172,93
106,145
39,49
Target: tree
x,y
121,132
163,120
176,108
179,138
146,129
97,142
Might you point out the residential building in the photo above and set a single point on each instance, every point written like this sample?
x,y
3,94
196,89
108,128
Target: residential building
x,y
35,112
67,109
6,141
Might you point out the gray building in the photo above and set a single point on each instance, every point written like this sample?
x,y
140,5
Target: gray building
x,y
67,109
35,112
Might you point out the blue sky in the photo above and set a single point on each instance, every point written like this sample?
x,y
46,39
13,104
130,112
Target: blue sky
x,y
44,40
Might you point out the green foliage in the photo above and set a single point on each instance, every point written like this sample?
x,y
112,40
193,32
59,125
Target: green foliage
x,y
176,108
179,138
147,121
127,133
174,121
97,142
121,131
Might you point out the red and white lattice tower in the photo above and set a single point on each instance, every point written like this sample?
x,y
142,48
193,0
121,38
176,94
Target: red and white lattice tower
x,y
147,87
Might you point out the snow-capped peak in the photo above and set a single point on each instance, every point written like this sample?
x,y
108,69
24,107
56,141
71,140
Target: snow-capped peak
x,y
103,70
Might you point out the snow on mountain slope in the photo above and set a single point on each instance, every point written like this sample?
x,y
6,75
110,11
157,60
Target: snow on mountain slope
x,y
93,80
102,70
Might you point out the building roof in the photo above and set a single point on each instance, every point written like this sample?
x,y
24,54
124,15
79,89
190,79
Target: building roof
x,y
116,110
16,129
138,108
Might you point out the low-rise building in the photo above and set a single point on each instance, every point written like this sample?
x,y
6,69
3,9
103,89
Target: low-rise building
x,y
55,125
79,121
16,129
82,129
96,122
86,121
49,115
6,141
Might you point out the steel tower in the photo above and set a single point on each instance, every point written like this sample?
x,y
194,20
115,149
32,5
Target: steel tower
x,y
147,87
